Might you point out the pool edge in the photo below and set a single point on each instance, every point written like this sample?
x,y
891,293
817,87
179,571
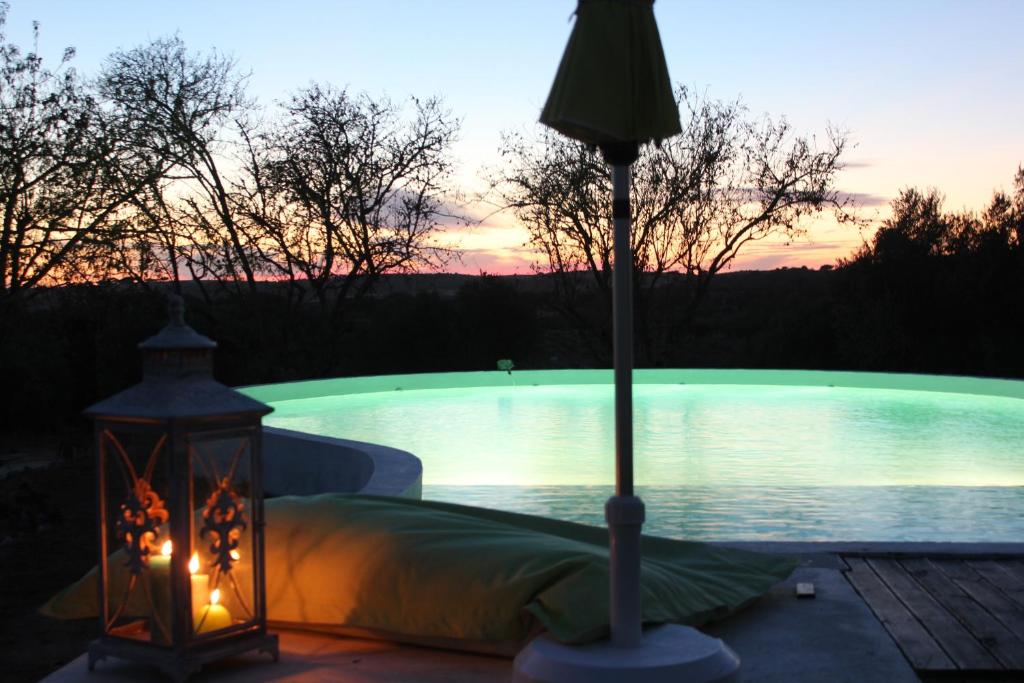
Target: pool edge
x,y
962,384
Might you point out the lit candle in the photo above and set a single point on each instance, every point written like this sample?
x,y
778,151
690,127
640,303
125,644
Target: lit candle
x,y
214,616
162,562
160,586
200,587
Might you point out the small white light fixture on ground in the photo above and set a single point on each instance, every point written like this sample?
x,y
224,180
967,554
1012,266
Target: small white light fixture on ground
x,y
612,90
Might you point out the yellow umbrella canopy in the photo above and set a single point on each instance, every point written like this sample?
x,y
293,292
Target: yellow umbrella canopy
x,y
612,85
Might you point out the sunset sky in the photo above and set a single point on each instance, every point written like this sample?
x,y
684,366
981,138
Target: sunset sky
x,y
930,91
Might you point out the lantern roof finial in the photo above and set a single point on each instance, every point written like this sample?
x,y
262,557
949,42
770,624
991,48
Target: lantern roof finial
x,y
177,378
177,334
176,310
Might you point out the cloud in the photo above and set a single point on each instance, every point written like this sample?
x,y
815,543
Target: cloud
x,y
453,212
463,215
508,261
780,260
763,247
862,199
771,255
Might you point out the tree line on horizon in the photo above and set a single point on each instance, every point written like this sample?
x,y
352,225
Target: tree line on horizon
x,y
278,224
161,168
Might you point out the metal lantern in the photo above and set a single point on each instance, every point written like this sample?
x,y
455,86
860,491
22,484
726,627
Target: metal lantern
x,y
180,511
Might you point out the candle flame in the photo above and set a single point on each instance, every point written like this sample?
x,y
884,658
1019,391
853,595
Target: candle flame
x,y
166,549
193,564
235,555
215,596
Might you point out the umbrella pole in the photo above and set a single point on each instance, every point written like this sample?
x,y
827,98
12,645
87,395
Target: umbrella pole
x,y
665,653
624,512
613,90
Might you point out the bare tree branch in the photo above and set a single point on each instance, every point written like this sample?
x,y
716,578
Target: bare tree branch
x,y
697,200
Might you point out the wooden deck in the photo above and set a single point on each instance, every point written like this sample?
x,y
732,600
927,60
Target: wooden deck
x,y
952,618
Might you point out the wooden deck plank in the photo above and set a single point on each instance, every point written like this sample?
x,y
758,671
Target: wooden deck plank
x,y
913,639
989,631
989,596
954,569
962,647
1015,567
1002,577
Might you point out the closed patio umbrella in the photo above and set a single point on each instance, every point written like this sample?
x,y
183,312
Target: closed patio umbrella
x,y
612,90
612,85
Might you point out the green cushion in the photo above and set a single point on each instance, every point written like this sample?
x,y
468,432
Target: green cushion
x,y
457,576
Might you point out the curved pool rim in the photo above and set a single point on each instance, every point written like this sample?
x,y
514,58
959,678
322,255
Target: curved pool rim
x,y
955,384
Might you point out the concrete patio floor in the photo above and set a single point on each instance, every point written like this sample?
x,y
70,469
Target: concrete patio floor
x,y
833,637
313,657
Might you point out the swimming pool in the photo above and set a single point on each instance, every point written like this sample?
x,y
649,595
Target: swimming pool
x,y
719,454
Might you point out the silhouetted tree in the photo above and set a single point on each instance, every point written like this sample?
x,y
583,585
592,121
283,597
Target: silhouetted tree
x,y
697,200
935,291
918,227
66,173
186,110
345,189
1003,220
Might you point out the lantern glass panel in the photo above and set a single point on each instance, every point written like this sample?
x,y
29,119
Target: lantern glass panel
x,y
223,584
135,557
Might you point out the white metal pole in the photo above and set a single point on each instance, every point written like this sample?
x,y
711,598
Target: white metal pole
x,y
624,512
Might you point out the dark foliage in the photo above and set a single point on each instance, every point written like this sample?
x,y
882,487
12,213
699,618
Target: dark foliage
x,y
78,344
40,510
954,314
937,292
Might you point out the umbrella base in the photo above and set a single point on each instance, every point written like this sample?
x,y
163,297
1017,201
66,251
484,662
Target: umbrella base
x,y
666,653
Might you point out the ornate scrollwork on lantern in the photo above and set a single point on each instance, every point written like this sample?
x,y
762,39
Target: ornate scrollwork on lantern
x,y
224,520
137,524
142,513
225,516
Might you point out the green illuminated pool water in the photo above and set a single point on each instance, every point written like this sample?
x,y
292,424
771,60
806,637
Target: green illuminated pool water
x,y
789,455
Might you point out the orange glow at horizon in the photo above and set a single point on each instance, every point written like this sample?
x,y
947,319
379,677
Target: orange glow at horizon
x,y
503,249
